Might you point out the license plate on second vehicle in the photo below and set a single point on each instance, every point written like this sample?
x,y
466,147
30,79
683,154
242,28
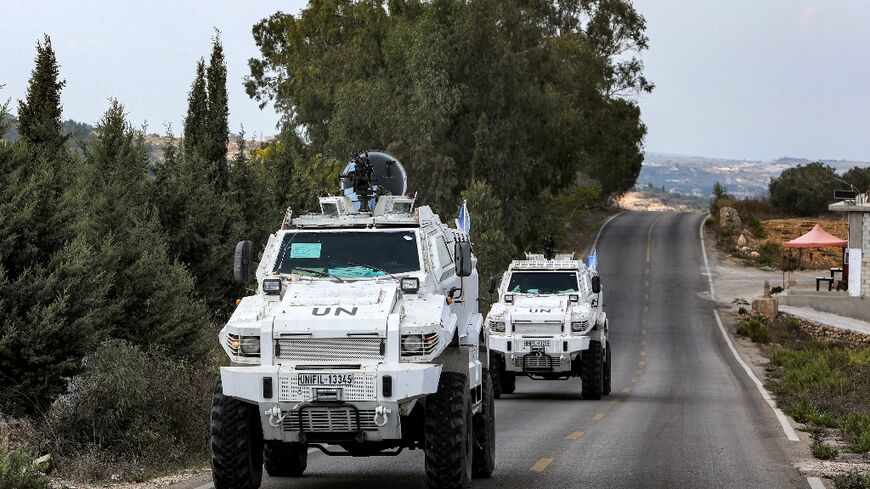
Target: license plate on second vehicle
x,y
325,379
536,343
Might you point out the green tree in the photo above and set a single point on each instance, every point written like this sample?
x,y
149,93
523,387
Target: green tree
x,y
804,190
154,297
523,96
217,125
859,177
492,247
39,114
196,121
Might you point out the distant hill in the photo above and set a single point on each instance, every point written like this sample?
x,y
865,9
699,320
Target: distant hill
x,y
79,132
695,175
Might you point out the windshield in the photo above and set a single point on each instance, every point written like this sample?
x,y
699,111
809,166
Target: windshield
x,y
348,254
543,283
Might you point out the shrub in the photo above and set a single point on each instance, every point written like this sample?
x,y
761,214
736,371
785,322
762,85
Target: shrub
x,y
856,428
742,311
769,253
824,452
754,329
131,405
853,480
776,290
17,470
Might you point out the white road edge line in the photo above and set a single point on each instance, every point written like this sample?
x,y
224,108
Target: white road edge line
x,y
815,483
783,420
595,243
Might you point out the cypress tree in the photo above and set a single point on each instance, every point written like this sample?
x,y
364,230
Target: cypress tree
x,y
217,128
154,297
39,114
196,122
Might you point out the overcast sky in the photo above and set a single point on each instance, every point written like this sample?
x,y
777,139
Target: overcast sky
x,y
754,79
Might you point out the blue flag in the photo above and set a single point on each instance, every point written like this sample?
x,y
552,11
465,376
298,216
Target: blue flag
x,y
463,222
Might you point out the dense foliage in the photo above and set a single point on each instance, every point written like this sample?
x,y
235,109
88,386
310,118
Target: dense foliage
x,y
804,190
527,97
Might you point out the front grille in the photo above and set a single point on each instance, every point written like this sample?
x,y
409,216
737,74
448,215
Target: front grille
x,y
326,350
330,419
539,362
537,328
364,388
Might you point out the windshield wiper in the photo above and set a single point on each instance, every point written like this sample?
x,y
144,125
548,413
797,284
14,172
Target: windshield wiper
x,y
377,269
319,273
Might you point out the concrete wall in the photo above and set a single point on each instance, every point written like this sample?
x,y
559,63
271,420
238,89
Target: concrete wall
x,y
853,307
865,259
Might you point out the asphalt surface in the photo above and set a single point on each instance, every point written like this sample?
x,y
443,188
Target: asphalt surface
x,y
682,413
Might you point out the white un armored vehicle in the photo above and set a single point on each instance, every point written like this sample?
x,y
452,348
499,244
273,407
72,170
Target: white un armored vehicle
x,y
362,339
549,324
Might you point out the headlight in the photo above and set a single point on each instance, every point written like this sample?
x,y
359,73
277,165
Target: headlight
x,y
509,298
578,326
419,344
410,285
497,326
244,346
272,286
250,345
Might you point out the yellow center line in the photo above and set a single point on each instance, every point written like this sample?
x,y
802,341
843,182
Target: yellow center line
x,y
615,401
641,363
626,390
642,353
634,381
598,417
541,465
574,436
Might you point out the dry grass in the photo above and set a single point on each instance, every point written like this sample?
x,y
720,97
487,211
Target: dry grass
x,y
782,230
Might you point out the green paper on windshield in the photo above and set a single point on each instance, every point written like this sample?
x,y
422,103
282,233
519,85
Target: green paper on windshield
x,y
305,250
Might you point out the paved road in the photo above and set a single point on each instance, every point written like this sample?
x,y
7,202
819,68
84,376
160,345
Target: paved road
x,y
682,413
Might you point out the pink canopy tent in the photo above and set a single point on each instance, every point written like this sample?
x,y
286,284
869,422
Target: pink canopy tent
x,y
816,238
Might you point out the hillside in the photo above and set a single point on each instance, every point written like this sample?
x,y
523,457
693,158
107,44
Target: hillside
x,y
695,175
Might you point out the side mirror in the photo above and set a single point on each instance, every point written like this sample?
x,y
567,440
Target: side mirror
x,y
242,262
463,258
596,284
492,285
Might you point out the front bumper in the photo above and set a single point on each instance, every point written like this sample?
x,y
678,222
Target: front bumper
x,y
358,411
538,353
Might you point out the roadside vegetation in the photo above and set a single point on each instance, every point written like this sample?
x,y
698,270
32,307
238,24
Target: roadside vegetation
x,y
823,384
798,199
115,269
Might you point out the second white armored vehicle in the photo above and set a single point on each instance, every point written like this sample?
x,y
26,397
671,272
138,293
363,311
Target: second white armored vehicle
x,y
362,339
549,324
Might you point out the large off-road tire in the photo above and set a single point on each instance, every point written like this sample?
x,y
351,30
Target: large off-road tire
x,y
508,381
607,370
592,371
448,439
285,459
236,443
495,369
483,456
